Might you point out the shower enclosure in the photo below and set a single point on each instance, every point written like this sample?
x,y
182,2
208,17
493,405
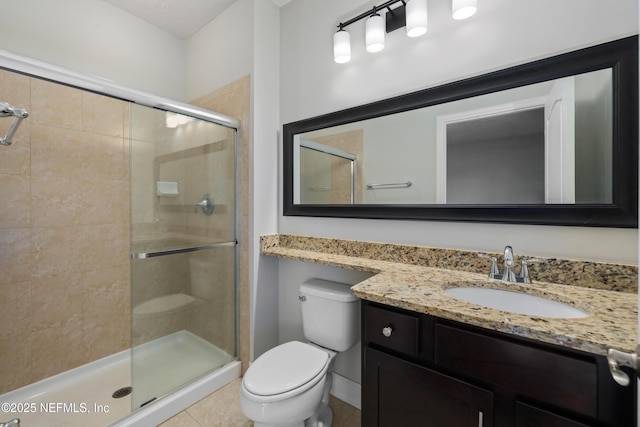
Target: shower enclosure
x,y
117,247
183,250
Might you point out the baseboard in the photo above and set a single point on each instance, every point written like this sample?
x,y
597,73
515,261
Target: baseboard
x,y
346,390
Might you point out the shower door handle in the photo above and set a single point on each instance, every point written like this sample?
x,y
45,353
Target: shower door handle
x,y
154,254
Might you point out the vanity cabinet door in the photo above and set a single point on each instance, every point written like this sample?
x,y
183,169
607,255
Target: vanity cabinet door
x,y
400,393
530,416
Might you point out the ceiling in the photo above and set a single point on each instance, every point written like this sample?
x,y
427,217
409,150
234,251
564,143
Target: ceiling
x,y
180,17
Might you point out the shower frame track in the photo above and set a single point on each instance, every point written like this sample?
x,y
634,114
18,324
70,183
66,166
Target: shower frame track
x,y
35,68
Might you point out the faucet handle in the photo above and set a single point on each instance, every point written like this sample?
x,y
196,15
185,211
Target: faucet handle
x,y
493,272
524,268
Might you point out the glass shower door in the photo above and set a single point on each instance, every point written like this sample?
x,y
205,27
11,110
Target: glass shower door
x,y
183,263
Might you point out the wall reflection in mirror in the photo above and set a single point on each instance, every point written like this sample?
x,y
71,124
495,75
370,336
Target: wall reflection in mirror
x,y
543,143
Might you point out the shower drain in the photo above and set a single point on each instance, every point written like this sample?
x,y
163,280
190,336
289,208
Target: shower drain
x,y
121,392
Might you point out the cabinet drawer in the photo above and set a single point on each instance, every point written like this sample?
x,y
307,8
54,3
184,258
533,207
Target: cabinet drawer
x,y
391,330
556,378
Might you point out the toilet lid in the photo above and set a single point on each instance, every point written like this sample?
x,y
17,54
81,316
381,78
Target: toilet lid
x,y
284,368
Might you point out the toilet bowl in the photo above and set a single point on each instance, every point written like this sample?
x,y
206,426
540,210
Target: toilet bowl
x,y
160,316
285,385
289,385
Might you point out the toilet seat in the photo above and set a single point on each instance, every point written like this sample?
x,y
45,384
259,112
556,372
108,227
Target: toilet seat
x,y
285,370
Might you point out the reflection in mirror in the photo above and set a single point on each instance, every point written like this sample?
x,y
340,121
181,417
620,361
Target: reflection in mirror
x,y
325,173
548,142
495,159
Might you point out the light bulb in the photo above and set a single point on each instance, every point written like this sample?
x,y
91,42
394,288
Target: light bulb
x,y
375,28
416,13
341,47
463,9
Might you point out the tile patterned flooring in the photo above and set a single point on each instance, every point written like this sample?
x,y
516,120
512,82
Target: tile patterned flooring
x,y
222,409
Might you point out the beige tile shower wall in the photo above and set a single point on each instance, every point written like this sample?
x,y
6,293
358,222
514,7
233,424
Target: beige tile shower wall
x,y
233,100
64,230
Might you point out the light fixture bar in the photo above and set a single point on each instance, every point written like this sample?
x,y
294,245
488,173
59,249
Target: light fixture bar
x,y
411,14
370,12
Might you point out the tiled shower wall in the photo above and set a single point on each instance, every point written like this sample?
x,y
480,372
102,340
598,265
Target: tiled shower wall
x,y
64,230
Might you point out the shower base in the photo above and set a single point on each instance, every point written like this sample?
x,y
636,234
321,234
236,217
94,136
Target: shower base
x,y
83,396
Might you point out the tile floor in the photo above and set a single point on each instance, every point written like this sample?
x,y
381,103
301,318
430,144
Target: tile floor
x,y
222,409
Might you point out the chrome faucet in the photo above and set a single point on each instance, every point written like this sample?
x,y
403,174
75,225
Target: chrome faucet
x,y
508,273
13,423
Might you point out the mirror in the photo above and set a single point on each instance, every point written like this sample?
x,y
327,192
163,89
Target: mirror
x,y
549,142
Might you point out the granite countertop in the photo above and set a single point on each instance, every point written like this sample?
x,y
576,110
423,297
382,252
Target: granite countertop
x,y
612,320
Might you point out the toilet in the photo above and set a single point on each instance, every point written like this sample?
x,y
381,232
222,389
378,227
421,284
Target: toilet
x,y
289,385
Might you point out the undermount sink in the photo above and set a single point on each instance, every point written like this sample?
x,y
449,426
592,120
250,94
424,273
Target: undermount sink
x,y
516,302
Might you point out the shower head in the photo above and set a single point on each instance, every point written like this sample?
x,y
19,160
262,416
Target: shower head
x,y
7,110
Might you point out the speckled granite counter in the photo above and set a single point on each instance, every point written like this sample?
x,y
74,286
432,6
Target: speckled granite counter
x,y
612,322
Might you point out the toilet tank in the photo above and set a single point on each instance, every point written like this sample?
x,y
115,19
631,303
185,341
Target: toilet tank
x,y
329,314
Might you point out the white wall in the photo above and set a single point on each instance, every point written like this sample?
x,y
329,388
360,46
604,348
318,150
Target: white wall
x,y
264,159
94,38
221,51
501,34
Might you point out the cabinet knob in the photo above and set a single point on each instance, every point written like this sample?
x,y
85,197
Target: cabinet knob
x,y
387,331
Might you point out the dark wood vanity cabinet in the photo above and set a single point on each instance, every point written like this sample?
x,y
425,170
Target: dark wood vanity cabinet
x,y
420,370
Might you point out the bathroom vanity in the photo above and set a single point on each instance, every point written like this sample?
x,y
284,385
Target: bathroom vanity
x,y
431,359
424,370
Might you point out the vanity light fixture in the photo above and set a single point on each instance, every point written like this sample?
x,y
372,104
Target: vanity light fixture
x,y
463,9
411,14
375,28
416,15
342,46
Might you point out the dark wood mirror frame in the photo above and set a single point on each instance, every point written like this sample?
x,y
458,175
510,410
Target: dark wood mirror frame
x,y
620,55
